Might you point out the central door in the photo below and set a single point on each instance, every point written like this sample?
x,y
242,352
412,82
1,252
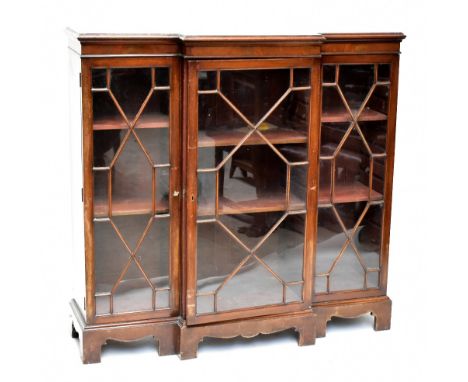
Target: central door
x,y
249,237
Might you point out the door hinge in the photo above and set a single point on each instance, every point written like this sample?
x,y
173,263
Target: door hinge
x,y
82,195
79,79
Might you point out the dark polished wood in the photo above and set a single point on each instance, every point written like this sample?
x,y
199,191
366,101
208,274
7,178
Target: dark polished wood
x,y
302,322
380,308
179,327
93,337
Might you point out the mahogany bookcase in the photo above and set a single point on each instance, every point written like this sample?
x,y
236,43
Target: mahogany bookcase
x,y
230,185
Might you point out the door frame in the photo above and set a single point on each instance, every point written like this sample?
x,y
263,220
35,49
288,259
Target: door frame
x,y
190,191
174,63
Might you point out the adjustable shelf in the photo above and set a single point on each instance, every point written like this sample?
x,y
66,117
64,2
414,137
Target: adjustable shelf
x,y
133,207
146,121
270,203
344,116
233,137
347,194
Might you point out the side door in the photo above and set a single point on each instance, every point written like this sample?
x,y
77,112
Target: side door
x,y
356,167
131,158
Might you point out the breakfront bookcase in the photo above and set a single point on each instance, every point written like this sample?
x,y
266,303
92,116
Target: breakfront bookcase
x,y
229,186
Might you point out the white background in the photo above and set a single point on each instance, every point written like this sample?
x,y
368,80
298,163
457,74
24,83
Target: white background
x,y
428,261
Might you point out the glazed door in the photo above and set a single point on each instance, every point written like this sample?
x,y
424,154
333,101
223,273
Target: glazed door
x,y
132,183
248,171
356,166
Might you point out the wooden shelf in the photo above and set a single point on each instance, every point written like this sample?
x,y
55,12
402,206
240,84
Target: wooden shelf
x,y
232,137
270,203
347,194
133,207
343,116
146,121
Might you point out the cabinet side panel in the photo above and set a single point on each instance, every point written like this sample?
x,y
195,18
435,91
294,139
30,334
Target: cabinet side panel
x,y
75,124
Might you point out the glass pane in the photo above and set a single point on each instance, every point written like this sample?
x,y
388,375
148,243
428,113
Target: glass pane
x,y
206,186
348,273
375,133
132,177
294,293
383,72
251,251
254,176
283,250
102,305
99,78
131,86
352,177
254,92
301,77
110,257
348,266
252,285
218,126
156,143
150,239
133,293
153,254
218,255
135,165
207,80
156,112
355,81
373,279
289,121
333,107
329,74
326,175
378,178
368,236
331,136
105,146
352,167
298,187
162,77
106,115
101,204
132,227
320,284
163,299
205,304
376,109
251,228
162,190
